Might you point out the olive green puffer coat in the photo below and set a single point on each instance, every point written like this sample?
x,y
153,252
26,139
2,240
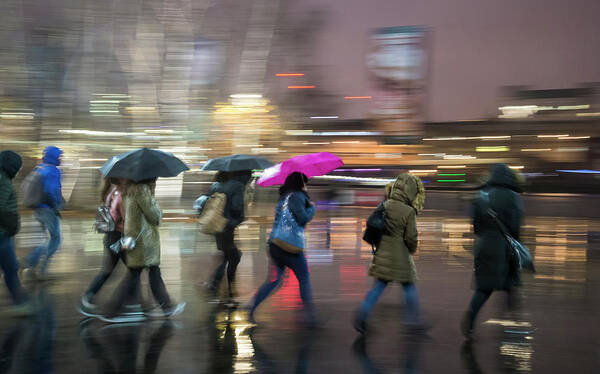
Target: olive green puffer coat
x,y
393,260
142,215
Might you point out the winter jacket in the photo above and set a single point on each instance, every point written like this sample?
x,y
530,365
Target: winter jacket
x,y
300,205
51,178
492,270
234,189
10,163
142,217
393,260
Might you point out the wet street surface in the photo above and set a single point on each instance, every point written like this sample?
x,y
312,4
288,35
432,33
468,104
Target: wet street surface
x,y
556,328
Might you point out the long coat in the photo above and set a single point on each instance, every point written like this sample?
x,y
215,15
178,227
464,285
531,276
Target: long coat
x,y
142,217
491,265
393,260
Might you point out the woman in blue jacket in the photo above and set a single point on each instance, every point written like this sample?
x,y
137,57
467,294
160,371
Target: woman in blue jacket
x,y
294,193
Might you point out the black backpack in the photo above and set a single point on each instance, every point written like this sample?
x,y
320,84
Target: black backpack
x,y
375,227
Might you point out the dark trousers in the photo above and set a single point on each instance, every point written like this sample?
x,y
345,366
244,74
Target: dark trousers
x,y
10,267
131,284
231,258
281,259
110,261
481,296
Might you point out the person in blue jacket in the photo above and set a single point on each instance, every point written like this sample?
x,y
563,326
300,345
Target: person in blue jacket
x,y
48,212
303,210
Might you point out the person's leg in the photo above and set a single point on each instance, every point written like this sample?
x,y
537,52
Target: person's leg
x,y
128,286
10,267
33,258
371,298
109,263
233,256
53,226
412,302
274,278
158,287
220,270
299,266
479,298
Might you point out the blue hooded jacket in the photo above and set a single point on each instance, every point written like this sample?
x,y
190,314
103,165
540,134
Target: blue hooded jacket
x,y
51,178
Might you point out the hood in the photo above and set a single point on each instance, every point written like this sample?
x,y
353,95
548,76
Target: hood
x,y
52,155
503,176
407,188
10,163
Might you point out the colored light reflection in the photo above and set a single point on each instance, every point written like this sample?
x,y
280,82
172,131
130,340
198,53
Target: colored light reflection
x,y
289,75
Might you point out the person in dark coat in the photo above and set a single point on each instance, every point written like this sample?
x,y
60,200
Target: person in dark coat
x,y
10,164
233,185
492,266
294,193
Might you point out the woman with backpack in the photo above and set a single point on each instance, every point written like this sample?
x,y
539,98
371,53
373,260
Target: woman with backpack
x,y
393,262
493,270
112,197
142,217
294,204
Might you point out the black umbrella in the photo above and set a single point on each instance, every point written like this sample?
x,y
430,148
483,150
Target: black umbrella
x,y
237,163
143,164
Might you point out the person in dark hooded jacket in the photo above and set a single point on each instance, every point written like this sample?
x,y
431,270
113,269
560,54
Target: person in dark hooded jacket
x,y
233,185
48,212
492,266
10,164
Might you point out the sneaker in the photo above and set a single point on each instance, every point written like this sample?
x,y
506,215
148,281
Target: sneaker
x,y
167,312
87,311
25,309
122,318
86,301
466,326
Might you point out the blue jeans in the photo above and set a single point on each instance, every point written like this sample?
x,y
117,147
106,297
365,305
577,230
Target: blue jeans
x,y
51,223
10,267
410,293
281,259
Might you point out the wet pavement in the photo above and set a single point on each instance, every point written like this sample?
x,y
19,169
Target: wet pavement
x,y
555,330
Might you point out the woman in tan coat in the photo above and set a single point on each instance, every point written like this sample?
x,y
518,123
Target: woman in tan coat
x,y
142,217
392,262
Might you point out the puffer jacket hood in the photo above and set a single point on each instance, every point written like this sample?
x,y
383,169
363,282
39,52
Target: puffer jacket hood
x,y
503,176
408,189
52,155
10,163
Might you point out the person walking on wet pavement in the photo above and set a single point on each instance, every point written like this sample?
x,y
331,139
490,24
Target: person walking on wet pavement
x,y
393,262
142,217
47,212
294,205
233,185
111,197
10,164
493,270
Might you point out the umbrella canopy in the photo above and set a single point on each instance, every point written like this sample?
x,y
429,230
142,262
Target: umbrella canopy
x,y
143,164
237,163
311,165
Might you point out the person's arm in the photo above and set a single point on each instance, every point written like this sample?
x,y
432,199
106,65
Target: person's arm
x,y
411,235
236,208
9,215
52,187
302,208
515,215
148,205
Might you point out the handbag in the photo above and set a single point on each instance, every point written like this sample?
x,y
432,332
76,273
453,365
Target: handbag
x,y
104,220
520,254
287,233
375,227
126,243
212,220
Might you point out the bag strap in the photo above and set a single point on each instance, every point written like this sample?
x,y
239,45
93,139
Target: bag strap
x,y
492,213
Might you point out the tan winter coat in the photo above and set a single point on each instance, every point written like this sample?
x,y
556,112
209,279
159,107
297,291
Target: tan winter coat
x,y
142,215
393,260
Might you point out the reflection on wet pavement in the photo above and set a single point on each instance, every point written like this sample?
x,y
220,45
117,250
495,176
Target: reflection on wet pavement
x,y
554,329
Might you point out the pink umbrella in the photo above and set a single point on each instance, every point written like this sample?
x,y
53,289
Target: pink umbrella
x,y
311,165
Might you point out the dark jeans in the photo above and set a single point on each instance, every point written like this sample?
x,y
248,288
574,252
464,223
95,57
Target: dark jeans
x,y
481,296
10,267
109,263
51,223
131,284
281,259
231,258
